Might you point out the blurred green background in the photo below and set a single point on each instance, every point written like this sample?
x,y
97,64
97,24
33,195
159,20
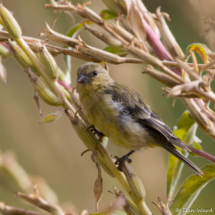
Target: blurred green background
x,y
53,150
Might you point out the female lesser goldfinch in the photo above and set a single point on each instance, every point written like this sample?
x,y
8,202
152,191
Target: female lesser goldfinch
x,y
120,114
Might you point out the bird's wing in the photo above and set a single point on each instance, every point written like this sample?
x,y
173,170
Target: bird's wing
x,y
156,123
135,106
130,102
127,98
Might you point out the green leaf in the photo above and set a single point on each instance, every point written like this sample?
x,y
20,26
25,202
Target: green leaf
x,y
191,189
186,121
107,14
77,28
186,131
201,49
174,167
180,133
116,50
109,213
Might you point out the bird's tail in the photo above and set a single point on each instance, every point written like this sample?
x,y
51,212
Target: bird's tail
x,y
170,148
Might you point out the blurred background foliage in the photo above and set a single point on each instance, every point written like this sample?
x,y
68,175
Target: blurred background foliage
x,y
53,150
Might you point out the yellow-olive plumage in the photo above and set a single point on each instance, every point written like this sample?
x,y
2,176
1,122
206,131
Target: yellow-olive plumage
x,y
120,114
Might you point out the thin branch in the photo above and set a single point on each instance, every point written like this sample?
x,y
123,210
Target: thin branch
x,y
164,209
202,154
9,210
38,201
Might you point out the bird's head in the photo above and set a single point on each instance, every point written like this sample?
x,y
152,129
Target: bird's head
x,y
92,75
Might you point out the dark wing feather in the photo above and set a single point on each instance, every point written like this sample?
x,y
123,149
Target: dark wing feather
x,y
141,112
170,148
155,122
134,104
129,99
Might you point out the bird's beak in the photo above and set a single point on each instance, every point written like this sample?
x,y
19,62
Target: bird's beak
x,y
81,78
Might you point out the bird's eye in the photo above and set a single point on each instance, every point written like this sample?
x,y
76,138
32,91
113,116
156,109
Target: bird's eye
x,y
95,73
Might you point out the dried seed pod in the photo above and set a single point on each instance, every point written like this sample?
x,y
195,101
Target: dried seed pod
x,y
100,54
62,76
66,93
166,34
43,89
21,57
134,182
48,62
88,13
98,185
103,164
9,23
82,130
104,37
129,207
163,78
4,51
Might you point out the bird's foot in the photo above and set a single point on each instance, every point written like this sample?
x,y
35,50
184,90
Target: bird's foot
x,y
91,128
99,134
120,161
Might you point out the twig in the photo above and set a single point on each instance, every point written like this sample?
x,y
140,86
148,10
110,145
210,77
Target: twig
x,y
202,154
193,87
164,209
38,201
9,210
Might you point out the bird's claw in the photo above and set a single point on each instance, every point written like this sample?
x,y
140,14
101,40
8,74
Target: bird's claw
x,y
120,162
96,132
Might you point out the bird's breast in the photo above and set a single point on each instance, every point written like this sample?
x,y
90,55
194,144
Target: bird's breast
x,y
114,122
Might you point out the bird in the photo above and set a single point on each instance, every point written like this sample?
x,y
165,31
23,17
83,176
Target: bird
x,y
120,113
